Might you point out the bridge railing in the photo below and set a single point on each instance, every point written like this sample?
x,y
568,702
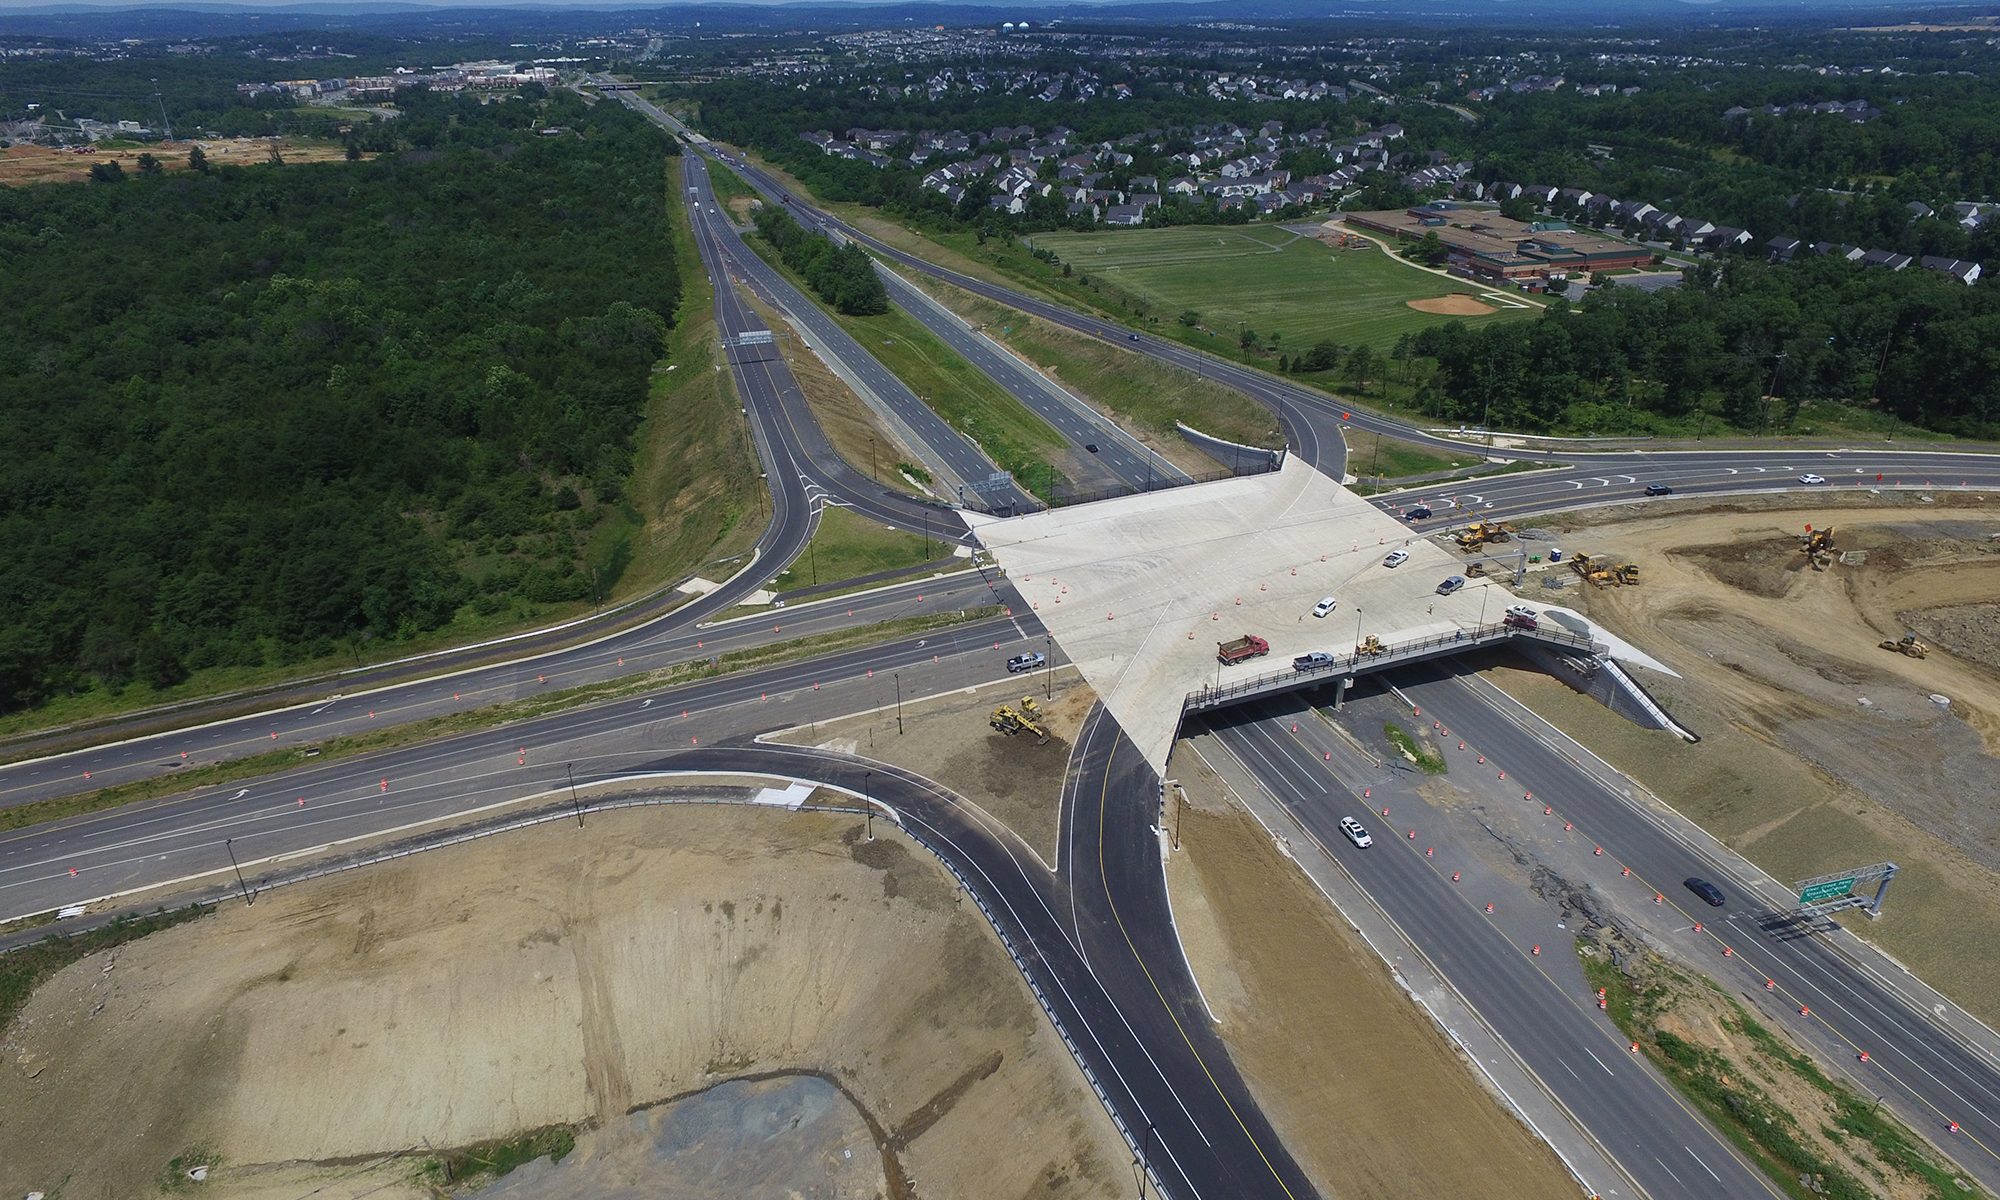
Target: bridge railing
x,y
1393,653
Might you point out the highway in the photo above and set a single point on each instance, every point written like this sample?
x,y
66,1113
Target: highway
x,y
1093,934
1638,1117
1929,1075
1314,421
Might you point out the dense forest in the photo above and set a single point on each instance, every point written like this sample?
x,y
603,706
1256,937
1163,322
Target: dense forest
x,y
1766,339
255,415
844,276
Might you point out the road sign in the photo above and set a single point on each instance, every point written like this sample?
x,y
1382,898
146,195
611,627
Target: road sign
x,y
1826,890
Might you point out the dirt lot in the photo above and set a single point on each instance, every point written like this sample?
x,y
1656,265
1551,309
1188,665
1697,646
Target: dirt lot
x,y
946,739
1818,749
45,164
553,976
1456,306
1354,1076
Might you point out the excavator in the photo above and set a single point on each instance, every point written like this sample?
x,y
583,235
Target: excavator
x,y
1818,547
1011,721
1909,644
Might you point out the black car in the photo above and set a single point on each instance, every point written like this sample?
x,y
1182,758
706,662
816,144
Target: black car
x,y
1658,489
1421,512
1704,889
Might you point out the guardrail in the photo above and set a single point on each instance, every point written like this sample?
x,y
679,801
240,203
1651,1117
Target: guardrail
x,y
1393,654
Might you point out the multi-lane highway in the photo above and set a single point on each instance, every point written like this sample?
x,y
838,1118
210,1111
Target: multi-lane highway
x,y
1093,934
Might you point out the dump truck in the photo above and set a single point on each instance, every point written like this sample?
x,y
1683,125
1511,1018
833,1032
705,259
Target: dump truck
x,y
1246,647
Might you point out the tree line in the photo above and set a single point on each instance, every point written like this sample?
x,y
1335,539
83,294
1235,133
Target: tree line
x,y
1759,340
256,415
844,276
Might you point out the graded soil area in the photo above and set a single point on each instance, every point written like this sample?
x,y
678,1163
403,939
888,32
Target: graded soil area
x,y
1455,306
1819,749
1357,1080
47,164
323,1040
948,740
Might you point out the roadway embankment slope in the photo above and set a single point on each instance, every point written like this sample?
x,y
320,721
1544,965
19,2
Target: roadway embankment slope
x,y
550,976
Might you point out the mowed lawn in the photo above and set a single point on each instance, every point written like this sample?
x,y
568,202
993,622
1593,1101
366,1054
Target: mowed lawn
x,y
1267,278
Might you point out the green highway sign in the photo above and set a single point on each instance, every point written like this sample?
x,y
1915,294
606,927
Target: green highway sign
x,y
1829,890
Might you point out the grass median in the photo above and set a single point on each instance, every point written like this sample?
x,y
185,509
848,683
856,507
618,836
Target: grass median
x,y
1012,435
57,808
1815,1138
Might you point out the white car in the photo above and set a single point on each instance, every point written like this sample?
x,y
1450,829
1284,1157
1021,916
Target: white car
x,y
1326,605
1355,833
1809,477
1522,610
1396,558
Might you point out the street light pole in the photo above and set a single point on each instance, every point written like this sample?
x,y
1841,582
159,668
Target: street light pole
x,y
569,769
899,703
228,844
873,472
868,801
1049,665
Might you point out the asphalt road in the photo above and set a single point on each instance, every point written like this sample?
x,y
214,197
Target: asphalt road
x,y
1313,421
1925,1072
1666,1148
330,715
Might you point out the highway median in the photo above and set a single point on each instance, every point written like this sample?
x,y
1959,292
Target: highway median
x,y
215,775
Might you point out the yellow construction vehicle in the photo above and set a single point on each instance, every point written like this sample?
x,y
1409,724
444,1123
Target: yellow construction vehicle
x,y
1371,646
1583,565
1909,644
1011,722
1475,568
1626,574
1477,534
1818,547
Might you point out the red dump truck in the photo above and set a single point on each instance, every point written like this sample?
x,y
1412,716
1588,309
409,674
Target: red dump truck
x,y
1247,646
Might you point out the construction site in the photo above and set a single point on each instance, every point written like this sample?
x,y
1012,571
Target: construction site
x,y
1841,664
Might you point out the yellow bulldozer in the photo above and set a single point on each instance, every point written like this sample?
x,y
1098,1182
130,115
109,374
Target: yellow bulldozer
x,y
1818,547
1370,647
1602,572
1909,644
1010,721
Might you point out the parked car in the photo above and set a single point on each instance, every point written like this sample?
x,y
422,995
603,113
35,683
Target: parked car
x,y
1451,584
1326,605
1421,512
1705,889
1026,662
1355,832
1522,610
1658,489
1311,659
1396,558
1809,477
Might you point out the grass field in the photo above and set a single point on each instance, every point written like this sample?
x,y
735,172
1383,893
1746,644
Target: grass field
x,y
848,546
1266,278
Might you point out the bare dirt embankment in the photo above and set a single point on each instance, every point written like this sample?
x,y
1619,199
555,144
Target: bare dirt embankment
x,y
947,739
46,164
1819,749
1357,1080
321,1040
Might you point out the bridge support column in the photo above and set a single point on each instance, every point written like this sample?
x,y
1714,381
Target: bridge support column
x,y
1340,696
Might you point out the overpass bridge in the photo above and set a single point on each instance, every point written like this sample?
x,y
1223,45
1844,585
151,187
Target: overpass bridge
x,y
1344,670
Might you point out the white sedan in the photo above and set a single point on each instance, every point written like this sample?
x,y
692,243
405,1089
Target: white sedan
x,y
1809,477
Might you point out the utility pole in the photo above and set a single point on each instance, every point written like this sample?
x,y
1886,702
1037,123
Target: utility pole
x,y
569,769
868,801
228,844
1049,673
899,703
873,473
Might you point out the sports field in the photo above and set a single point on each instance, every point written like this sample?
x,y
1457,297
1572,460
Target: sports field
x,y
1273,281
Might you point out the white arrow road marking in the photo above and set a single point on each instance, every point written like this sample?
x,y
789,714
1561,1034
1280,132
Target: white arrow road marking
x,y
240,794
1601,481
646,704
1629,478
1475,499
1575,483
